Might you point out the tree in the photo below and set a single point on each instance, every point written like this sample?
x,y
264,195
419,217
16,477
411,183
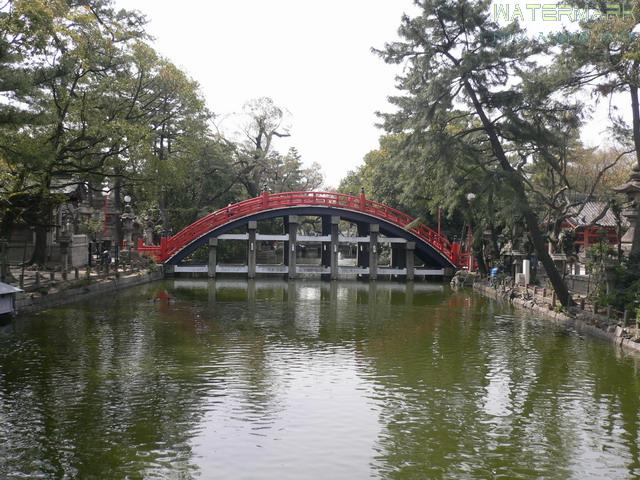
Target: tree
x,y
264,122
603,59
79,129
470,88
285,173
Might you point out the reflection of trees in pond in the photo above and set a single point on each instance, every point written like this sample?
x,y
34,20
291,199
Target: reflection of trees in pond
x,y
125,387
616,384
463,394
113,391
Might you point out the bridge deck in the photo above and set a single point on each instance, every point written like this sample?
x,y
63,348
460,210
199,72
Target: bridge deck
x,y
307,269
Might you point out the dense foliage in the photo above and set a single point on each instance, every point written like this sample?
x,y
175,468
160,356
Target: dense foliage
x,y
480,112
87,103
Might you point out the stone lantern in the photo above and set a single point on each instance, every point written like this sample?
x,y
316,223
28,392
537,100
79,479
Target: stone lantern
x,y
127,218
630,209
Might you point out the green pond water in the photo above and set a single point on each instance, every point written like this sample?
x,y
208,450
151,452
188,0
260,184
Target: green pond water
x,y
304,380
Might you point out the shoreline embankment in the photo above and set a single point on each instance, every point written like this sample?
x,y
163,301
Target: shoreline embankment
x,y
26,303
583,322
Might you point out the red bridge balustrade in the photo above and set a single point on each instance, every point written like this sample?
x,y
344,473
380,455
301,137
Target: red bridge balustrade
x,y
170,246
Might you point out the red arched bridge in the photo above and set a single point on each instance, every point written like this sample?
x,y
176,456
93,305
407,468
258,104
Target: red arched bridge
x,y
373,218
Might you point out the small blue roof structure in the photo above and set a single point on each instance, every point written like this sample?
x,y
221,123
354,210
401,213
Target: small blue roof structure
x,y
7,298
6,289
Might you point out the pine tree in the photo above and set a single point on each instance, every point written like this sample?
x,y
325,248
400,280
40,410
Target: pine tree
x,y
469,90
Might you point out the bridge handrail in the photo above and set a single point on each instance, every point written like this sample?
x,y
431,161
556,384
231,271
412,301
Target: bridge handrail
x,y
171,245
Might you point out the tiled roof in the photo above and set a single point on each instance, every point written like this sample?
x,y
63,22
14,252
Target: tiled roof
x,y
592,210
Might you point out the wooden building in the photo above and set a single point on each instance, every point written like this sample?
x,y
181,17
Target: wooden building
x,y
593,224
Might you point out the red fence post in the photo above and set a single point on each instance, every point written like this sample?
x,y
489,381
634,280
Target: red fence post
x,y
455,253
163,248
363,199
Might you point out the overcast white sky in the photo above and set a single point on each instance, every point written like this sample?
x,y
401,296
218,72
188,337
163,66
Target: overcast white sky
x,y
312,58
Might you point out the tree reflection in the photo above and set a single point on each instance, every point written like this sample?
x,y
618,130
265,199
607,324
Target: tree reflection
x,y
129,388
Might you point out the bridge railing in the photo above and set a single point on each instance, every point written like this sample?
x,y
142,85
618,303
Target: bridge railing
x,y
171,245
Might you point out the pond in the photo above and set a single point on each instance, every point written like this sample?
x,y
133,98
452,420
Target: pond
x,y
234,379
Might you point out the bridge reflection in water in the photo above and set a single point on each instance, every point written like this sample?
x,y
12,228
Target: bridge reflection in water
x,y
252,290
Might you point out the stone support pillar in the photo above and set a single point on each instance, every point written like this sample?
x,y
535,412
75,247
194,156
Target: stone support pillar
x,y
213,261
326,247
410,260
285,249
252,248
335,242
374,230
292,245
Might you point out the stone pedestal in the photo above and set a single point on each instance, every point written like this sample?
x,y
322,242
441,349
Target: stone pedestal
x,y
526,270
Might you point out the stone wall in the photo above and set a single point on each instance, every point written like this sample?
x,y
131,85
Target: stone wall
x,y
27,304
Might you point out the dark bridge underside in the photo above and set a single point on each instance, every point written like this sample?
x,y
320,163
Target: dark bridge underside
x,y
425,252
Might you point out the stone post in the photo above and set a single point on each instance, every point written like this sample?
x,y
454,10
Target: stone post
x,y
410,262
252,248
526,269
292,245
213,250
374,230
